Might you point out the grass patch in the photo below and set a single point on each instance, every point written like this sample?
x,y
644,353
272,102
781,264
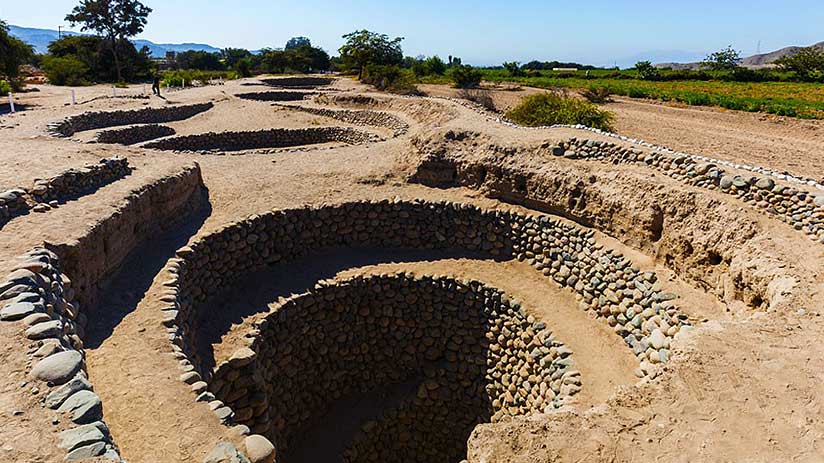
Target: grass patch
x,y
557,108
793,99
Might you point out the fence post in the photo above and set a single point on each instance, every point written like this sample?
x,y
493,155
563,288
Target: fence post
x,y
74,98
11,102
114,91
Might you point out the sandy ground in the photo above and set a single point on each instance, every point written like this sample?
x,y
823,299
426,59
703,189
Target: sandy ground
x,y
734,390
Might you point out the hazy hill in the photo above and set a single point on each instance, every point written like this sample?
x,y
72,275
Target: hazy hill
x,y
755,61
41,38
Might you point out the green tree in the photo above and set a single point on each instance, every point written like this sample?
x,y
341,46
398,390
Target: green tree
x,y
466,76
65,70
727,59
296,42
232,56
199,60
363,48
646,70
95,54
804,63
434,65
116,20
13,53
514,68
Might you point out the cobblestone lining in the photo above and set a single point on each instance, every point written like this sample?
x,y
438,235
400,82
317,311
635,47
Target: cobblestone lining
x,y
47,194
41,300
216,143
364,117
133,135
606,283
103,119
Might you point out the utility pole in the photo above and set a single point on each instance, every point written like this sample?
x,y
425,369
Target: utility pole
x,y
59,32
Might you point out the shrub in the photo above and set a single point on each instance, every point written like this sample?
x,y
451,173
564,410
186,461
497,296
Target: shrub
x,y
65,71
554,108
514,68
5,88
391,78
805,64
647,71
479,96
466,76
597,94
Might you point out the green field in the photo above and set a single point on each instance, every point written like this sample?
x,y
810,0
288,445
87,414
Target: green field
x,y
794,99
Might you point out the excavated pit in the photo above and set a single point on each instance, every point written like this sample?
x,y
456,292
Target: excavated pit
x,y
341,342
275,96
298,82
442,356
262,139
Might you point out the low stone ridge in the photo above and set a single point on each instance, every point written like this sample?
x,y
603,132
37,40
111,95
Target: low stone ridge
x,y
58,359
70,184
472,355
802,210
133,135
363,117
298,82
144,214
102,119
275,96
606,283
216,143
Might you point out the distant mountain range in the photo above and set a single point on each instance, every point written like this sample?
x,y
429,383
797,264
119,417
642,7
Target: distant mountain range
x,y
41,38
755,61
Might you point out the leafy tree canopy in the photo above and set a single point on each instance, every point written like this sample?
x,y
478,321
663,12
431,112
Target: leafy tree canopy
x,y
727,59
296,42
364,47
13,53
804,63
114,19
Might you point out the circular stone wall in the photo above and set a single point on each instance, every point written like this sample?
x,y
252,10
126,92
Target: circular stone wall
x,y
260,139
468,354
275,96
607,285
298,82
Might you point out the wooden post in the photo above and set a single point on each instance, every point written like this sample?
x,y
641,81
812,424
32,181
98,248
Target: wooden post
x,y
11,102
74,98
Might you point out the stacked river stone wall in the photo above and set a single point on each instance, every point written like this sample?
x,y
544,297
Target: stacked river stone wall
x,y
299,82
606,283
43,302
470,354
358,117
134,135
70,184
275,96
801,209
212,143
102,119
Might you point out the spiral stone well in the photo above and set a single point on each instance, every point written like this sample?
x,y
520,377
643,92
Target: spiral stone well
x,y
365,334
467,354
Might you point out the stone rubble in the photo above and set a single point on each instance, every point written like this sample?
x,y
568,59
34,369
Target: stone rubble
x,y
47,194
58,361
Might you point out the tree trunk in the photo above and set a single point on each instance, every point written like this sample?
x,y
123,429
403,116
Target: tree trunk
x,y
116,60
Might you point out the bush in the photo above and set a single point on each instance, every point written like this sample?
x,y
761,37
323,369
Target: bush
x,y
597,94
479,96
65,71
391,78
466,76
5,88
191,78
555,108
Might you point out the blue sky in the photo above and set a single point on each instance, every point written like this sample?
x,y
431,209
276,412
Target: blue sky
x,y
481,32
